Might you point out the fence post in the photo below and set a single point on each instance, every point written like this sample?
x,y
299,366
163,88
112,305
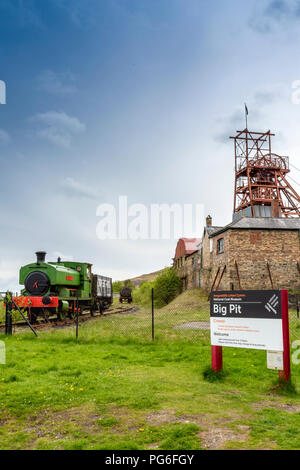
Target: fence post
x,y
8,315
77,306
152,303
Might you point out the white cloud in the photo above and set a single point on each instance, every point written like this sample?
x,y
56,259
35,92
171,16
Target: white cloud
x,y
60,119
267,17
56,83
62,256
75,189
258,103
4,137
57,127
9,271
55,136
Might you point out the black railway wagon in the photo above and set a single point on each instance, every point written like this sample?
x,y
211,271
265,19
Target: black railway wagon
x,y
102,291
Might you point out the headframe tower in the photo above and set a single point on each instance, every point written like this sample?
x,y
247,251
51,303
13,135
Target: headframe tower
x,y
261,188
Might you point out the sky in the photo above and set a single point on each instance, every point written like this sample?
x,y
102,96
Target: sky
x,y
133,98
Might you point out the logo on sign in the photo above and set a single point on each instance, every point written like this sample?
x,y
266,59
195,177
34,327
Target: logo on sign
x,y
272,303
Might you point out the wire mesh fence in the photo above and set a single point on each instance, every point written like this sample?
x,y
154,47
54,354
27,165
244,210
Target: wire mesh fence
x,y
186,318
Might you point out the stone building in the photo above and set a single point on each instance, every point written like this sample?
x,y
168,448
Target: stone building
x,y
249,253
187,262
259,249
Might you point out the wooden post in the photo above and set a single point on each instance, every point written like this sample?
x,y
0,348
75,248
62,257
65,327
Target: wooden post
x,y
213,285
8,313
270,276
77,313
219,282
152,312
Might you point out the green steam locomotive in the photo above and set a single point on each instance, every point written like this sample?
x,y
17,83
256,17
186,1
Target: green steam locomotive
x,y
62,288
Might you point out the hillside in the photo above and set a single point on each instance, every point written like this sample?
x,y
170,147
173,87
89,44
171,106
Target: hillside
x,y
145,277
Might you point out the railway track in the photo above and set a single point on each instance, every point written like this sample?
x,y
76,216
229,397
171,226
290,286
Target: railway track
x,y
85,316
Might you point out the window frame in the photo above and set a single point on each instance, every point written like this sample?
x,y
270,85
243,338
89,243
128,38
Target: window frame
x,y
220,251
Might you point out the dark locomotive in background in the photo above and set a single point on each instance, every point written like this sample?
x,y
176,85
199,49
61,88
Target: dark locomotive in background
x,y
56,288
125,295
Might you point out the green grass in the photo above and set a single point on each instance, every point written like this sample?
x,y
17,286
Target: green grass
x,y
115,389
2,312
15,314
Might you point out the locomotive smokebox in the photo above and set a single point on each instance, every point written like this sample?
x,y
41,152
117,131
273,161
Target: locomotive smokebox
x,y
40,256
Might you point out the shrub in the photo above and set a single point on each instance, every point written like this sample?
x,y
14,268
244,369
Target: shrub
x,y
143,294
117,286
129,283
166,287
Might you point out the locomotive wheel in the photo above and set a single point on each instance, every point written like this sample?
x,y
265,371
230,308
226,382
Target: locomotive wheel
x,y
61,315
46,314
32,317
100,308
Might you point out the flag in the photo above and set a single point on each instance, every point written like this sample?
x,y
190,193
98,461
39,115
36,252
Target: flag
x,y
246,109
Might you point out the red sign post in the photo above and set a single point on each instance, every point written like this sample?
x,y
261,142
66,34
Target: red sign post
x,y
217,358
285,374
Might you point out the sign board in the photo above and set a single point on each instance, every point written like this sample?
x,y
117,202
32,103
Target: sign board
x,y
246,319
275,360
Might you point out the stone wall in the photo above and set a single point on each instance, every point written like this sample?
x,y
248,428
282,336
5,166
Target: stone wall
x,y
188,270
252,250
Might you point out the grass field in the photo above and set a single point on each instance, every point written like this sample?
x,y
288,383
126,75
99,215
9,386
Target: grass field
x,y
115,389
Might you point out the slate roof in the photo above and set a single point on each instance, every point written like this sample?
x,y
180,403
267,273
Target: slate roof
x,y
263,223
211,230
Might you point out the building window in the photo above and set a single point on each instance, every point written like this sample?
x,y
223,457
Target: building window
x,y
220,245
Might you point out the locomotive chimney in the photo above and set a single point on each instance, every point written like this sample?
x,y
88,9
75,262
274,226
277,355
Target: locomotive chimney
x,y
40,257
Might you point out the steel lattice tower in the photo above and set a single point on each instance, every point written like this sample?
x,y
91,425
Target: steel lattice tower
x,y
261,187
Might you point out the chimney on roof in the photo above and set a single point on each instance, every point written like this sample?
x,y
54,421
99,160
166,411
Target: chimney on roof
x,y
275,208
208,221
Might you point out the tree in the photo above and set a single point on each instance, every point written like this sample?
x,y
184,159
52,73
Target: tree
x,y
166,287
117,286
129,283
